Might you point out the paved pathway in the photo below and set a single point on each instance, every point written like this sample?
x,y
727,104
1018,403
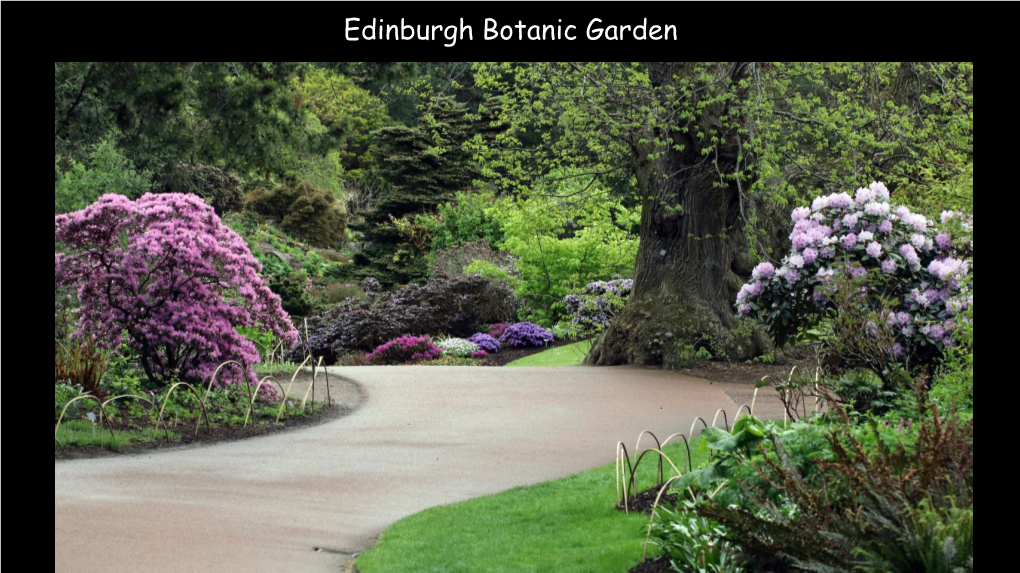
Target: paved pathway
x,y
425,436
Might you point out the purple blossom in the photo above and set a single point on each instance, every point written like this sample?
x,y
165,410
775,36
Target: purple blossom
x,y
810,256
525,334
801,213
875,250
485,342
885,226
851,220
866,236
763,271
857,272
479,354
865,195
850,241
944,241
801,241
919,241
792,275
841,201
889,267
881,191
910,255
179,283
948,269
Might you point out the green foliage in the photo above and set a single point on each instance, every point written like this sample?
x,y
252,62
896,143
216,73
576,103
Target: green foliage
x,y
63,395
104,169
305,212
692,543
81,363
424,167
220,189
784,129
340,105
466,220
240,116
83,434
563,246
293,292
871,498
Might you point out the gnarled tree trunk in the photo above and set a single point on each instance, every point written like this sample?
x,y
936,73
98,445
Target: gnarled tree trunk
x,y
692,261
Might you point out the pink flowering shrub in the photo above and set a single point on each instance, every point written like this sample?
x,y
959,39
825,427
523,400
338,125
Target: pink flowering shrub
x,y
912,270
165,273
479,354
405,350
496,330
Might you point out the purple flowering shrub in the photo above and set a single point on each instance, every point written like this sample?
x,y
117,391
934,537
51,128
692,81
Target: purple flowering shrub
x,y
525,335
595,307
404,350
910,271
479,354
485,342
496,330
167,274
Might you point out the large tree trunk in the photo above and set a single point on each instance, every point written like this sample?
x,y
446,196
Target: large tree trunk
x,y
691,264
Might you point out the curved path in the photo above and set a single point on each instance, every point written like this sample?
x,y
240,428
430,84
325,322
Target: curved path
x,y
423,437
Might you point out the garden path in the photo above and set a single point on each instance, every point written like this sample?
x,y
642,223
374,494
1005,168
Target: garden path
x,y
425,436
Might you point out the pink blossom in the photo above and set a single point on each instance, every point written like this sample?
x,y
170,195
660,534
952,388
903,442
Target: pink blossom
x,y
167,274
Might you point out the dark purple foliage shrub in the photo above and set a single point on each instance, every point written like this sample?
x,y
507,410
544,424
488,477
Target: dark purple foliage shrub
x,y
485,342
451,307
525,335
595,307
404,350
496,330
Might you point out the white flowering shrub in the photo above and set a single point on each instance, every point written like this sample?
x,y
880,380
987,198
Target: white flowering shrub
x,y
912,271
457,347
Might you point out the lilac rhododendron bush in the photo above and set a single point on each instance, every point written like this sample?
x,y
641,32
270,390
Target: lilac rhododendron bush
x,y
485,342
164,275
525,335
595,307
405,350
911,271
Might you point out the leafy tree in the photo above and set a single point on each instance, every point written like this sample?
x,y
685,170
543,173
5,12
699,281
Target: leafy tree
x,y
165,273
717,148
466,220
561,246
305,212
424,167
240,116
105,170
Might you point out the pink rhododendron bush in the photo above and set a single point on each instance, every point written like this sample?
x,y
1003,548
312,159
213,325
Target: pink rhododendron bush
x,y
913,273
164,275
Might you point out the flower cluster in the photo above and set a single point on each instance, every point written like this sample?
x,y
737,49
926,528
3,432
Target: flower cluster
x,y
404,350
485,342
165,272
479,354
524,335
496,330
906,257
457,347
596,306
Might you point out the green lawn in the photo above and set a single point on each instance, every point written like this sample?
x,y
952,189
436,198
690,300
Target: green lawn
x,y
83,434
570,355
569,525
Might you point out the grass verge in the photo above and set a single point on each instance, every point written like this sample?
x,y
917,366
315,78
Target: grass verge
x,y
83,434
570,355
568,525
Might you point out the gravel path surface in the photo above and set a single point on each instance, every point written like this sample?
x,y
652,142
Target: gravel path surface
x,y
424,436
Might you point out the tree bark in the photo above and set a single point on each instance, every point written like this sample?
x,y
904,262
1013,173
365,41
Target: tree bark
x,y
692,261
